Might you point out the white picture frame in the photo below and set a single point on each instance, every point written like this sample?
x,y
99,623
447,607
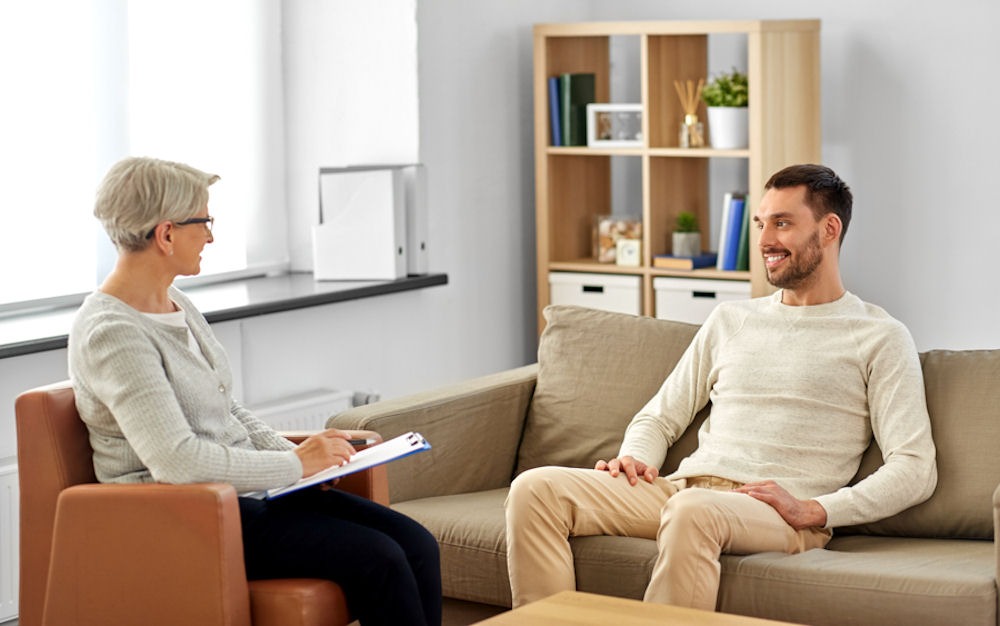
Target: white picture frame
x,y
614,125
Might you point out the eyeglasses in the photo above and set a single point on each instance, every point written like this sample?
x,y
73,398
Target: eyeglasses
x,y
209,222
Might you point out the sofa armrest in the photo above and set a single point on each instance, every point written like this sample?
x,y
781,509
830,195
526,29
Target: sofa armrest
x,y
996,530
474,428
122,554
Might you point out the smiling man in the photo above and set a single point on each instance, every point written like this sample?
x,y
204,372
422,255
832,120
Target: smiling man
x,y
799,383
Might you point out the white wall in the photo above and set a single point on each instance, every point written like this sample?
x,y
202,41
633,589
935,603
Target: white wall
x,y
905,122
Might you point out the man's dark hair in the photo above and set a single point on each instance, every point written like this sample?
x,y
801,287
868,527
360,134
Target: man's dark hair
x,y
825,191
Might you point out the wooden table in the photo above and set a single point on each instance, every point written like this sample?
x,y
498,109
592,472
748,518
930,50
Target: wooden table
x,y
574,608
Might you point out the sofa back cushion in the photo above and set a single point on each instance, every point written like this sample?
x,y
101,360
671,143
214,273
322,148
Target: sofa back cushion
x,y
964,406
595,371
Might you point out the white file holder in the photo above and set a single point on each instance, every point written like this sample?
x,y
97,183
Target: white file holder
x,y
415,181
362,229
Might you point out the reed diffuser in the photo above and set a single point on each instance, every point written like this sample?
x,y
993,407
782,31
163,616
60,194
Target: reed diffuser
x,y
692,132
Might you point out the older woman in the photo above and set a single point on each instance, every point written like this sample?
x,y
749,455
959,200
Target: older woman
x,y
155,390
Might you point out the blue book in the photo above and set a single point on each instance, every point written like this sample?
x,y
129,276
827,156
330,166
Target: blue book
x,y
731,244
554,102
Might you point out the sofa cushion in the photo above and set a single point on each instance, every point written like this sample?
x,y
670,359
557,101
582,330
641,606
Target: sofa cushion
x,y
965,422
596,369
877,581
470,530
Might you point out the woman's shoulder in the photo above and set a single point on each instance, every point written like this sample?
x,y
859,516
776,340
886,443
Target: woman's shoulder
x,y
99,306
104,316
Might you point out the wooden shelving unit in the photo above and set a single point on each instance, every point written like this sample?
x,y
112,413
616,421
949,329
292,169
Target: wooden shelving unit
x,y
573,184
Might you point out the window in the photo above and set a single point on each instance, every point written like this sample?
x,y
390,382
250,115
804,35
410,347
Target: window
x,y
87,83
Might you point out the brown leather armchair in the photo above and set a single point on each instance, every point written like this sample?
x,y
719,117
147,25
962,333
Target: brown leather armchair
x,y
153,554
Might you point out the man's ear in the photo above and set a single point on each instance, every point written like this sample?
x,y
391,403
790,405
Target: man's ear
x,y
832,227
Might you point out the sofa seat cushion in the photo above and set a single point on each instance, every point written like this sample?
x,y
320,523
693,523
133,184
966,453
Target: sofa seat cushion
x,y
856,580
470,530
868,580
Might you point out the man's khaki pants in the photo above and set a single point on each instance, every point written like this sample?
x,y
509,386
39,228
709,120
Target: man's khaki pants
x,y
693,520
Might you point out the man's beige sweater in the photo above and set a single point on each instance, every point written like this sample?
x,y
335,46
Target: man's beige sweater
x,y
797,393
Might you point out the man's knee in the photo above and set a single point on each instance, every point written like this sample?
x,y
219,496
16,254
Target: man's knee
x,y
693,509
540,483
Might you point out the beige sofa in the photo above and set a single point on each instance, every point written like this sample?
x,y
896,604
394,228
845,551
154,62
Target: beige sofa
x,y
932,564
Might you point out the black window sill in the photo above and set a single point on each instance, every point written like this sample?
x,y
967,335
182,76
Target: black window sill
x,y
236,299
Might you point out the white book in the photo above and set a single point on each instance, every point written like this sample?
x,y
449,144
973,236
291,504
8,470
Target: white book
x,y
726,201
396,448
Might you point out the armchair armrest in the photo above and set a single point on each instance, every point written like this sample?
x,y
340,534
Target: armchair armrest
x,y
474,428
116,548
298,436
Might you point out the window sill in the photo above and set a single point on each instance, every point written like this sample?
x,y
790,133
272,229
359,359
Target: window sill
x,y
220,302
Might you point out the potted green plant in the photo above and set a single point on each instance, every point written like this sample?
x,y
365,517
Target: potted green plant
x,y
686,237
726,96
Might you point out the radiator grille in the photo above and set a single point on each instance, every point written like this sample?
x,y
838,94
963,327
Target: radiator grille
x,y
9,524
306,411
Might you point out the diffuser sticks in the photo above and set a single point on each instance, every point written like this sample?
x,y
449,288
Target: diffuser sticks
x,y
692,133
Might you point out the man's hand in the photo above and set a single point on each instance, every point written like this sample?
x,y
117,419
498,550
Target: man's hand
x,y
799,514
633,469
324,450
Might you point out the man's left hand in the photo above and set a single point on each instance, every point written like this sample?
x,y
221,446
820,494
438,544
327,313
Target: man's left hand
x,y
799,514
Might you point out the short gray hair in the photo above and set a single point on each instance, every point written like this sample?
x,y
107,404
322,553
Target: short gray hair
x,y
138,193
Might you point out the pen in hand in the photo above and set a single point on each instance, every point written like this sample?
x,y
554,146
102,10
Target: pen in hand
x,y
361,442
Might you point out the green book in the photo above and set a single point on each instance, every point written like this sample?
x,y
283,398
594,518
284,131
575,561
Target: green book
x,y
743,252
576,91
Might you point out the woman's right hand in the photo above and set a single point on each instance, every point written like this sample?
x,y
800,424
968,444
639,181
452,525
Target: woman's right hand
x,y
324,450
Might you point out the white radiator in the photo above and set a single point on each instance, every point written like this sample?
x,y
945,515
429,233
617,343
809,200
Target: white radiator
x,y
9,524
306,411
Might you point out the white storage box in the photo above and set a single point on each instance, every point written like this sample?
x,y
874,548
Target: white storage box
x,y
608,292
692,299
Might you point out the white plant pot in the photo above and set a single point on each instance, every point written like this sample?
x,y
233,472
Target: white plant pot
x,y
687,244
728,127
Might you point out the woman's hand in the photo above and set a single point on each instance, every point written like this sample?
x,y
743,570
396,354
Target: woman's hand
x,y
324,450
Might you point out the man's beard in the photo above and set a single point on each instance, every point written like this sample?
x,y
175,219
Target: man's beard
x,y
800,267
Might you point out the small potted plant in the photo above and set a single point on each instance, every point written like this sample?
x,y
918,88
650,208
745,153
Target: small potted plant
x,y
686,238
726,97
